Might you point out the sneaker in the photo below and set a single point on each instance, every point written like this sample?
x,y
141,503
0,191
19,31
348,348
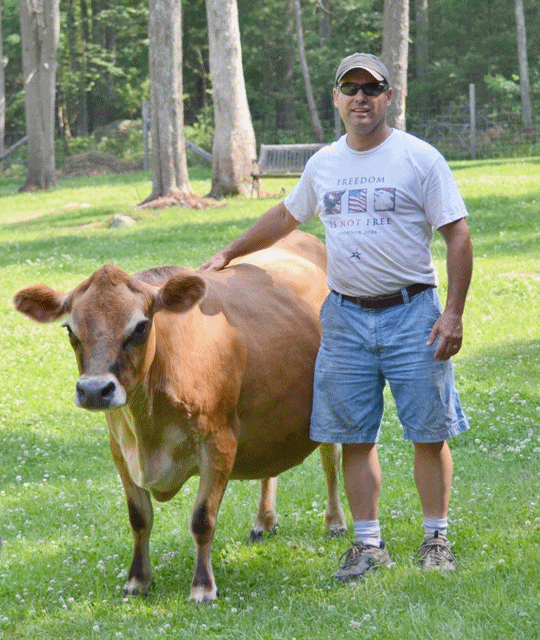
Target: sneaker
x,y
435,554
361,558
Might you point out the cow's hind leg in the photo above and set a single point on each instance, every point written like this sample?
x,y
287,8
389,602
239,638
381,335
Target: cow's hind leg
x,y
266,521
335,518
141,519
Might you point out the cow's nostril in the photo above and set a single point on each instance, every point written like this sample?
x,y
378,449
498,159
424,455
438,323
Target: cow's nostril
x,y
108,390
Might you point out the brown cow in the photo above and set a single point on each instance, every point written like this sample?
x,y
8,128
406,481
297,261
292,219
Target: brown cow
x,y
200,373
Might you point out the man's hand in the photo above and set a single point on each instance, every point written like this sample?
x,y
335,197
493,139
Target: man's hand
x,y
215,263
449,330
275,224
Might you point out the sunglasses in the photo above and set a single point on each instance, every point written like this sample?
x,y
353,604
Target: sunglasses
x,y
370,89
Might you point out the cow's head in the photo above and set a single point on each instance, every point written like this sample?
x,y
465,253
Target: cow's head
x,y
110,327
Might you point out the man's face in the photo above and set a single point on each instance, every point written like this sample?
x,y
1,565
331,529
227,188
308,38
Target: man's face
x,y
361,114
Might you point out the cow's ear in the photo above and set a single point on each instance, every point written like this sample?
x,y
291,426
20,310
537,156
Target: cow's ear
x,y
41,303
180,293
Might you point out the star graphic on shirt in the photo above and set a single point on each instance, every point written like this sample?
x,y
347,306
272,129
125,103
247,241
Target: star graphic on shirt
x,y
356,254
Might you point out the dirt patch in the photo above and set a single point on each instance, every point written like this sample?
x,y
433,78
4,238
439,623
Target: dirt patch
x,y
96,163
189,201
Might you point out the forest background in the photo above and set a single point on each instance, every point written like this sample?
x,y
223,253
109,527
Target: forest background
x,y
103,74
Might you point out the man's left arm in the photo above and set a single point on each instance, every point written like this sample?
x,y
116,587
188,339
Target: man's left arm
x,y
459,261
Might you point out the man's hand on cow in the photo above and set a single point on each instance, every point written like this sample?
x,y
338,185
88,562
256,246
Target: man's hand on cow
x,y
449,330
215,263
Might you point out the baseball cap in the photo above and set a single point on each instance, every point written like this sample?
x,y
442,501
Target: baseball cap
x,y
366,61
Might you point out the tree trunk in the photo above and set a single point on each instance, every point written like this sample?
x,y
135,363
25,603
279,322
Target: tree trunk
x,y
315,122
2,94
422,40
325,37
395,54
523,66
40,30
234,147
170,178
285,107
325,22
422,53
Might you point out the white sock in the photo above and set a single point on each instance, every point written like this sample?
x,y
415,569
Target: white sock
x,y
435,524
368,532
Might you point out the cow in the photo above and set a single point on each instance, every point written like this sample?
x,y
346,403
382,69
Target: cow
x,y
206,373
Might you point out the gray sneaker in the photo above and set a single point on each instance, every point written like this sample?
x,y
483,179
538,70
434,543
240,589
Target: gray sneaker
x,y
361,558
435,554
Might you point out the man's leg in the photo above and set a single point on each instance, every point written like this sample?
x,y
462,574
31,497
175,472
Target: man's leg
x,y
433,476
362,480
433,471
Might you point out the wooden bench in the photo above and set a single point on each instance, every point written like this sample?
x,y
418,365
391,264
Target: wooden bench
x,y
281,161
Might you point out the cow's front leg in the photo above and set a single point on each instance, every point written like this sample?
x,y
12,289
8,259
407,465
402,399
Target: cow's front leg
x,y
217,460
266,521
141,519
335,518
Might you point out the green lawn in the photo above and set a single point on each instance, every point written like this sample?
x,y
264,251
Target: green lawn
x,y
67,543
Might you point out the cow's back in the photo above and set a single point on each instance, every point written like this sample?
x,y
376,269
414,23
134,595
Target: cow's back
x,y
300,260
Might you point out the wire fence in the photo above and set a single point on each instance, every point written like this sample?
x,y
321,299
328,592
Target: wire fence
x,y
493,129
496,135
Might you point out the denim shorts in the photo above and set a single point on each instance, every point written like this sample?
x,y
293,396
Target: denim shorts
x,y
361,350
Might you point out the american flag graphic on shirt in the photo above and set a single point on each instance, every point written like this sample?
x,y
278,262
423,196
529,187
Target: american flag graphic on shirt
x,y
332,202
358,201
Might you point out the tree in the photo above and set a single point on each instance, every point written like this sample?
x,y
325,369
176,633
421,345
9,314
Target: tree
x,y
2,91
395,52
234,146
315,122
422,40
40,30
523,66
170,178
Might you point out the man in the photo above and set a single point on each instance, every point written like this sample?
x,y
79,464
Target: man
x,y
380,193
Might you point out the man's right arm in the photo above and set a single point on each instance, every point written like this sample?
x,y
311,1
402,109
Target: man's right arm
x,y
275,224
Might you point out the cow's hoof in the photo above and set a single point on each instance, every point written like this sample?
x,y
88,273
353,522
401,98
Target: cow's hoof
x,y
257,535
201,596
337,531
134,590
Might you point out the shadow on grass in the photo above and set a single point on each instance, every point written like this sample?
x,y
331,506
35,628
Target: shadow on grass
x,y
134,241
463,165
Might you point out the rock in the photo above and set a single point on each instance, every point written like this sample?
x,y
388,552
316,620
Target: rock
x,y
119,220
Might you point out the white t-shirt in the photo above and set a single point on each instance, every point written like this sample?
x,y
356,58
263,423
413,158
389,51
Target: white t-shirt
x,y
379,209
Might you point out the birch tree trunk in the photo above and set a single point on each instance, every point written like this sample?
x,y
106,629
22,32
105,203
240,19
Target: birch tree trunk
x,y
422,53
285,106
170,178
2,93
422,39
395,52
315,122
40,30
523,66
234,146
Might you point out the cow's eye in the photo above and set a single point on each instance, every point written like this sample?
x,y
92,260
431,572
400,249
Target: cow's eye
x,y
139,333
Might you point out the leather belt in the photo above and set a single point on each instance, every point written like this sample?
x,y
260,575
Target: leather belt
x,y
390,300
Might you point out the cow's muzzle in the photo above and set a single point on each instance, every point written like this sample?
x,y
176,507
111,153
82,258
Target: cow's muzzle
x,y
99,393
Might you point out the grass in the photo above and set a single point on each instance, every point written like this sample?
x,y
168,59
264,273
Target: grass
x,y
63,520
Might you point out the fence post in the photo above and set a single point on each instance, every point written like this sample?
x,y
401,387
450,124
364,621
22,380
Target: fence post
x,y
145,133
472,110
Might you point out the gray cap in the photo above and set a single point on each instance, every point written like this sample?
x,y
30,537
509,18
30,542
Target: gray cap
x,y
366,61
